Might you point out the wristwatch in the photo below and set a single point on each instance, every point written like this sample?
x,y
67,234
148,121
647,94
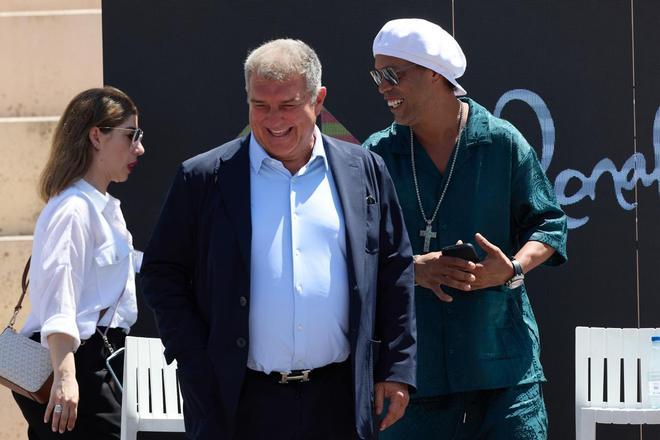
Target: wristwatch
x,y
518,278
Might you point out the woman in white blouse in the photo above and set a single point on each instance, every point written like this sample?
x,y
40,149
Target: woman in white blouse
x,y
82,273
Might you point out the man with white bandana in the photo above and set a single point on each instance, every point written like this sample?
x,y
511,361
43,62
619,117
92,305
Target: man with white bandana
x,y
463,175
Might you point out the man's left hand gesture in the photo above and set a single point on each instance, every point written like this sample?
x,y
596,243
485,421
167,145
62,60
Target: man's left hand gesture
x,y
397,394
495,269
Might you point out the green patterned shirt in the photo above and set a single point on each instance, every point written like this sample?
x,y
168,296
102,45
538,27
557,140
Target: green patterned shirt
x,y
487,338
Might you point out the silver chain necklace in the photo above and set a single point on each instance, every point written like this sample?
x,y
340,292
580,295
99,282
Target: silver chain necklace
x,y
428,233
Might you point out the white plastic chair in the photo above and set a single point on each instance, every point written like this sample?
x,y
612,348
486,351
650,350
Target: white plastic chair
x,y
600,355
151,399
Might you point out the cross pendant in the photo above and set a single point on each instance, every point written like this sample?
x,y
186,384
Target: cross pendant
x,y
428,234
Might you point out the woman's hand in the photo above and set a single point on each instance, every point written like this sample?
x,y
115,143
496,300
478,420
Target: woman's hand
x,y
63,403
62,409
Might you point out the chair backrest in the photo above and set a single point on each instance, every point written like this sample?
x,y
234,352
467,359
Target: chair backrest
x,y
150,386
611,366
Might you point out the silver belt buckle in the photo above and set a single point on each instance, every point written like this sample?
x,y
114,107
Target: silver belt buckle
x,y
288,377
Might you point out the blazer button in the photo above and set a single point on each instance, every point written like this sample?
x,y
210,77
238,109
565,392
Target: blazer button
x,y
243,301
241,343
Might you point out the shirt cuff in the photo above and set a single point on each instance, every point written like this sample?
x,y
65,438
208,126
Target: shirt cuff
x,y
60,324
137,260
415,257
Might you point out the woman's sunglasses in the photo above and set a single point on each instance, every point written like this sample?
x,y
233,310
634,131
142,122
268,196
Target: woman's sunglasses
x,y
136,138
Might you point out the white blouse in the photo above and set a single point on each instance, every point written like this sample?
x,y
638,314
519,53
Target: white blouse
x,y
83,261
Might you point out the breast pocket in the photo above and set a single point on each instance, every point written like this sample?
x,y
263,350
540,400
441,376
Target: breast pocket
x,y
110,253
112,263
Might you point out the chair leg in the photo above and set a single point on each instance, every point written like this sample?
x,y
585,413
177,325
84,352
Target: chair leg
x,y
128,427
586,427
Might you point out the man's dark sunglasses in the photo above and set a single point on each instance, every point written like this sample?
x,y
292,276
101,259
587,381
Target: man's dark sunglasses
x,y
136,138
388,74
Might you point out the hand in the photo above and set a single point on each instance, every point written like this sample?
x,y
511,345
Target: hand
x,y
397,394
433,269
64,392
495,269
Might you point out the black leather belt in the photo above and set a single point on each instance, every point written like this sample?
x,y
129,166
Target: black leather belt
x,y
295,376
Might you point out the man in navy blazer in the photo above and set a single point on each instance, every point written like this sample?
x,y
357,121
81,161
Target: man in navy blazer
x,y
281,274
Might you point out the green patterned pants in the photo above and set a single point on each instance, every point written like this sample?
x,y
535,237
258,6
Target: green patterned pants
x,y
516,413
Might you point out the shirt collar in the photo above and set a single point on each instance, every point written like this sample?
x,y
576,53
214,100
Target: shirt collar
x,y
476,129
258,154
318,150
99,200
402,134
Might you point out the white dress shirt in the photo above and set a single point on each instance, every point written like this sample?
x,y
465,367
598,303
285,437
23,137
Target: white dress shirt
x,y
82,263
299,282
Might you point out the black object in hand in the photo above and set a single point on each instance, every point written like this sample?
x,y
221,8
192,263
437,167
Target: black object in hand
x,y
464,250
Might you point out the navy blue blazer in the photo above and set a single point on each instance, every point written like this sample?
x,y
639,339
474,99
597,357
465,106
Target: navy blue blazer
x,y
196,278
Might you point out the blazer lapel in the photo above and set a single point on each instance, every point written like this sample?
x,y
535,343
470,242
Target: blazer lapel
x,y
347,174
233,179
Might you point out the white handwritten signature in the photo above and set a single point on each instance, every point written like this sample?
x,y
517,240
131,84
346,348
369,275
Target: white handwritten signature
x,y
626,178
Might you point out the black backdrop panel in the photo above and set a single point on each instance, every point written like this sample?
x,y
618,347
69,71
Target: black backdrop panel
x,y
647,72
561,71
648,145
551,50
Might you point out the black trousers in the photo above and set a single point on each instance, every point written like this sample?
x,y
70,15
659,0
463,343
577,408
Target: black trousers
x,y
99,411
322,408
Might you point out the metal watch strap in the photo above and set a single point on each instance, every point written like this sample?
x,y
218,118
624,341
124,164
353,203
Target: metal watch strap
x,y
518,277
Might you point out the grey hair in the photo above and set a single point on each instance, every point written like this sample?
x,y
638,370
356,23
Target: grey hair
x,y
280,59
